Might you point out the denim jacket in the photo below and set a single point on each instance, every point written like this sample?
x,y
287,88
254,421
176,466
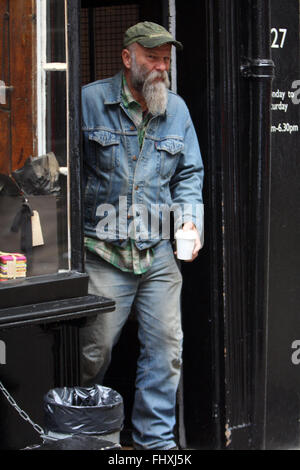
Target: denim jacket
x,y
129,190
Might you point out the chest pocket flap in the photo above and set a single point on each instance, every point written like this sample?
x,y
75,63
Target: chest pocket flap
x,y
172,146
105,138
106,148
169,154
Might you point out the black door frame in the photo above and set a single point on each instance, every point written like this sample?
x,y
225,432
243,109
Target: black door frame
x,y
240,76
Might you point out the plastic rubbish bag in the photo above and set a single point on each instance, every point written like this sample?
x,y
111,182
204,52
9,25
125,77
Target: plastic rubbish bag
x,y
78,410
76,443
39,176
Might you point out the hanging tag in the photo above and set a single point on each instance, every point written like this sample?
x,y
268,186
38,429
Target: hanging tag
x,y
37,234
11,269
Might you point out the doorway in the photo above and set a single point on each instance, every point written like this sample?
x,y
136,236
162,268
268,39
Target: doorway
x,y
103,24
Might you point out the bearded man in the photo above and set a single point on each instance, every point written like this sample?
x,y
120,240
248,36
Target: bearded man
x,y
140,151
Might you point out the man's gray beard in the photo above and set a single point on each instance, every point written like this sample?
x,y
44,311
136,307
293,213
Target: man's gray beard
x,y
155,93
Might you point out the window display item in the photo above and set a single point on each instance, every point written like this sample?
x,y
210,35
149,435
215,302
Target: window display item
x,y
12,266
35,223
39,175
22,223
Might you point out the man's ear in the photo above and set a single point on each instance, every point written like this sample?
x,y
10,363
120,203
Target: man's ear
x,y
126,57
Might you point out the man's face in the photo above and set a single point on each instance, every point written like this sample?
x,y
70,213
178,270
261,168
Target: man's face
x,y
149,74
156,59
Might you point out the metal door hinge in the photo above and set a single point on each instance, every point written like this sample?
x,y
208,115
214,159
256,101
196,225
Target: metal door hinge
x,y
257,68
3,90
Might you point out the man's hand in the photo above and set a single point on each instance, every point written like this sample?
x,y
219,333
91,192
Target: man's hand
x,y
191,226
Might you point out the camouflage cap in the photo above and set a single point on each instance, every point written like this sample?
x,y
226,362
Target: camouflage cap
x,y
149,35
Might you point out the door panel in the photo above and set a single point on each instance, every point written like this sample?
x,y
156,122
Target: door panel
x,y
17,59
4,141
4,77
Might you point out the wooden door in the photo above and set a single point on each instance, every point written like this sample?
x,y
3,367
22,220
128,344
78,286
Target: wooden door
x,y
17,73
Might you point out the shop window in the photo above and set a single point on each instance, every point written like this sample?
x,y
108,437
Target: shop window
x,y
34,148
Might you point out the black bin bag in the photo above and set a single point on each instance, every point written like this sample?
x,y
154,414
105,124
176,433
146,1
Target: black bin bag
x,y
93,410
76,442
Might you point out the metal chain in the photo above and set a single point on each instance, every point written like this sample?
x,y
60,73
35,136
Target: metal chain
x,y
21,412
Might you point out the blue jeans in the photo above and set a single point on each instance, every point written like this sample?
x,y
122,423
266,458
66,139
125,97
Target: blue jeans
x,y
155,296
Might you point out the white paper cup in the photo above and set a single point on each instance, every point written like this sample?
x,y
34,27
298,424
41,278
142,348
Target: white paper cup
x,y
185,242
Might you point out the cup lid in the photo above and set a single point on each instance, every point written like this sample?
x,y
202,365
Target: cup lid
x,y
185,234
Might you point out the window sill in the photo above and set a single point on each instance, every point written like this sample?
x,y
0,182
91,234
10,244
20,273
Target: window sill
x,y
55,311
45,288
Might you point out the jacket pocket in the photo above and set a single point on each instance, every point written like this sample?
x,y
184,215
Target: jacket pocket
x,y
169,153
107,149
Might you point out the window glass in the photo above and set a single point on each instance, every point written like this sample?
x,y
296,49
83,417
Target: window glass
x,y
56,115
56,50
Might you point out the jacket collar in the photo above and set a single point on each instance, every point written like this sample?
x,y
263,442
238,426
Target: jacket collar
x,y
115,91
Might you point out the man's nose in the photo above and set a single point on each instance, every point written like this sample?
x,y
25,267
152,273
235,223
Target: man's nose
x,y
161,66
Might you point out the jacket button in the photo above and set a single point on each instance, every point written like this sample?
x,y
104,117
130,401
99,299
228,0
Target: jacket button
x,y
136,187
132,128
134,157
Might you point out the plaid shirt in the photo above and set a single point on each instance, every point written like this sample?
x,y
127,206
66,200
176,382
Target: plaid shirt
x,y
139,118
129,258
